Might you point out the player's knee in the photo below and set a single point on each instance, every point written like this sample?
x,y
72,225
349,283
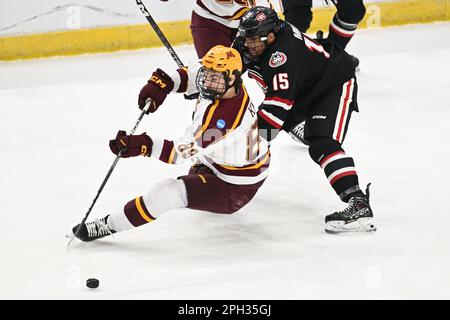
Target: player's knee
x,y
351,11
235,206
320,147
166,195
300,17
238,200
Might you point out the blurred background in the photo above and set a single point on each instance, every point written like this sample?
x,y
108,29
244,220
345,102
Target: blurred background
x,y
84,26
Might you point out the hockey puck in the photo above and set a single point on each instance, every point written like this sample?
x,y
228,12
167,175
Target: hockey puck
x,y
92,283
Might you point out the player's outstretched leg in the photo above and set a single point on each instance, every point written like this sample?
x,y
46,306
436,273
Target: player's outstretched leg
x,y
357,217
199,190
166,195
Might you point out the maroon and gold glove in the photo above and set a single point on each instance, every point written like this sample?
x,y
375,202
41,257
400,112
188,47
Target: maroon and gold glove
x,y
156,89
131,145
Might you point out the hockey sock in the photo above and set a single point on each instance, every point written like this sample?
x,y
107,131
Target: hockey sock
x,y
338,167
340,171
164,196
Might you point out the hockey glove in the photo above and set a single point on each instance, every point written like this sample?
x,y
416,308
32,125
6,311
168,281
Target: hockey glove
x,y
157,89
131,145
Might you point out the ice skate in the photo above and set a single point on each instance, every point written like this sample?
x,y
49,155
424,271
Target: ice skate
x,y
297,133
93,230
357,217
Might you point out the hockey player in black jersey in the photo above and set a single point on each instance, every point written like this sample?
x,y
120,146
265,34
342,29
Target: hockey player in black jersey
x,y
341,30
304,79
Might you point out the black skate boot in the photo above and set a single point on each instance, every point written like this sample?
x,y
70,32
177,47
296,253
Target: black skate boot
x,y
298,133
93,230
357,217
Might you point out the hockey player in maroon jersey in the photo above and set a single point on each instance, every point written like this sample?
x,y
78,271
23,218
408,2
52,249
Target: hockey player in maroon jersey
x,y
230,159
215,22
304,79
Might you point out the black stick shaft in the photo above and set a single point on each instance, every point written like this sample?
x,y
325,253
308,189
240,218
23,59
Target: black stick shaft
x,y
111,169
159,33
164,40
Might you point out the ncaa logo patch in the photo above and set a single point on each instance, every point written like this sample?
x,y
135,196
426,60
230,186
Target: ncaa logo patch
x,y
277,59
220,123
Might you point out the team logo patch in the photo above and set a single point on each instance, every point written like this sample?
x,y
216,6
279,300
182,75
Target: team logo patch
x,y
277,59
261,17
220,123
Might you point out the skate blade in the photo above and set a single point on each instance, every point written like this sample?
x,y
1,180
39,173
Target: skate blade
x,y
362,225
70,236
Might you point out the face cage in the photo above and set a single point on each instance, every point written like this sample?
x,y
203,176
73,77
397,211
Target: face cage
x,y
213,88
245,52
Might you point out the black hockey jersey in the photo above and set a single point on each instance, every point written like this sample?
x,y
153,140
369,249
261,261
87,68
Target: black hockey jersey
x,y
293,72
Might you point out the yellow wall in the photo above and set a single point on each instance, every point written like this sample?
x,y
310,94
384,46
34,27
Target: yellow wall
x,y
142,36
392,13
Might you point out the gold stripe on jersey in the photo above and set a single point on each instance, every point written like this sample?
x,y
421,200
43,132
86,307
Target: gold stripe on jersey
x,y
237,120
142,211
240,114
255,166
208,119
172,156
241,111
239,14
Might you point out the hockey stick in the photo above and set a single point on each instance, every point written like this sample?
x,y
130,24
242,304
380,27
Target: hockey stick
x,y
159,33
180,64
144,111
165,42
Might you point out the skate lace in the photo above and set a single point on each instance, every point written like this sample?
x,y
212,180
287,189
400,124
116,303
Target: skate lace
x,y
97,228
352,203
350,208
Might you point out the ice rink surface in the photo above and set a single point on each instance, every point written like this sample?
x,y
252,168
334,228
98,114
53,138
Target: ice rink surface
x,y
57,115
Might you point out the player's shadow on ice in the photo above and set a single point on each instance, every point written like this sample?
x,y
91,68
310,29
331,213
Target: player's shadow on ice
x,y
200,233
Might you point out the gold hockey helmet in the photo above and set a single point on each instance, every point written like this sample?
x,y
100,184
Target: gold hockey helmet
x,y
223,59
218,65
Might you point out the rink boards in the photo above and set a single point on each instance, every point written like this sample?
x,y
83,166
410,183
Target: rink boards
x,y
137,36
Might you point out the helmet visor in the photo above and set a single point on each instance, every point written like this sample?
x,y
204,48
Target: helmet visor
x,y
211,84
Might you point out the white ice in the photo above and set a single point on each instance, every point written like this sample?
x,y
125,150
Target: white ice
x,y
57,116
